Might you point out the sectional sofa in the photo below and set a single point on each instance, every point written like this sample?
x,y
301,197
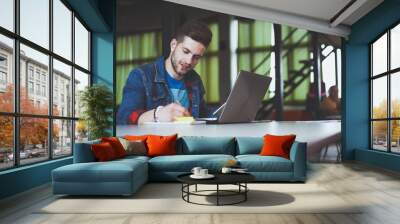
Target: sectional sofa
x,y
125,176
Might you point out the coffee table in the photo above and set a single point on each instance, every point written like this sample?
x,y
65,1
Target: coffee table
x,y
238,179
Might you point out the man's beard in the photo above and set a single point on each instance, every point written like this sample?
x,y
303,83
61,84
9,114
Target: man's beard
x,y
174,64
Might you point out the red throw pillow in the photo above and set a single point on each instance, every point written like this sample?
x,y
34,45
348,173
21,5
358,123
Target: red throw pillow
x,y
103,151
116,145
275,145
161,145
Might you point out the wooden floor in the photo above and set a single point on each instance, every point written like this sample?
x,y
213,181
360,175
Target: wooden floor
x,y
378,189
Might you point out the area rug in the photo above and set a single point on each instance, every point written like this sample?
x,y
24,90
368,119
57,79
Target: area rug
x,y
167,198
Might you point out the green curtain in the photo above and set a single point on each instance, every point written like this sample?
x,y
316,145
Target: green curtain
x,y
255,43
208,67
254,40
293,60
132,51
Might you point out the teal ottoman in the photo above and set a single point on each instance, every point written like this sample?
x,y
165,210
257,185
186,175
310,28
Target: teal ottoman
x,y
118,177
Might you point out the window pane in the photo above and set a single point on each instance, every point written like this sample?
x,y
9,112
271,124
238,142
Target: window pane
x,y
33,139
6,74
379,55
7,14
395,47
339,60
6,142
34,72
81,131
379,98
244,34
62,89
81,81
379,135
395,136
62,141
395,95
62,29
35,21
81,45
244,61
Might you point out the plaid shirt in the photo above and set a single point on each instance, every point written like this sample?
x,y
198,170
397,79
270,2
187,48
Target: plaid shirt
x,y
146,89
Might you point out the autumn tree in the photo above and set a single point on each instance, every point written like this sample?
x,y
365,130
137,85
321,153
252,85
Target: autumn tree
x,y
380,127
33,130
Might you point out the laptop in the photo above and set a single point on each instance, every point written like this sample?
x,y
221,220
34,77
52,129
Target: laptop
x,y
243,101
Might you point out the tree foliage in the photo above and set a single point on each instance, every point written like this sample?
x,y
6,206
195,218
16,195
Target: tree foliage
x,y
380,127
33,130
97,104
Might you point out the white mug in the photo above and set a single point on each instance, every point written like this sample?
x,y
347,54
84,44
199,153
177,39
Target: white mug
x,y
203,172
226,170
196,171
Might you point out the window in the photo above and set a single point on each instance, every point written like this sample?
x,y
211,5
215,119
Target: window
x,y
385,97
62,74
133,50
30,87
3,72
38,89
30,72
62,30
7,87
81,45
3,78
34,26
7,14
81,81
43,90
3,61
255,52
208,67
37,75
45,131
254,48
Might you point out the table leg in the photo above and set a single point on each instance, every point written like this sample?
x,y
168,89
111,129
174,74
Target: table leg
x,y
245,191
196,188
217,194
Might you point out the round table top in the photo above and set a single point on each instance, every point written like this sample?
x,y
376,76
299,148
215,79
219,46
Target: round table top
x,y
220,178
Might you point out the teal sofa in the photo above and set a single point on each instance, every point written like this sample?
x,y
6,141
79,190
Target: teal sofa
x,y
125,176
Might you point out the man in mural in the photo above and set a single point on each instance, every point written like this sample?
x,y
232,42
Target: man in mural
x,y
169,87
330,106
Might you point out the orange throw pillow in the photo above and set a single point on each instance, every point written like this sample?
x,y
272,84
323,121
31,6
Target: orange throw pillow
x,y
116,145
103,151
136,137
161,145
275,145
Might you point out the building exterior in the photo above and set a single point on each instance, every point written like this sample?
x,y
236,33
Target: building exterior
x,y
34,80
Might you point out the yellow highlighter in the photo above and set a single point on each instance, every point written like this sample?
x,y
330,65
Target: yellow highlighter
x,y
184,119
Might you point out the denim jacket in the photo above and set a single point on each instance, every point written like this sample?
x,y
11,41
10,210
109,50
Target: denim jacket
x,y
146,89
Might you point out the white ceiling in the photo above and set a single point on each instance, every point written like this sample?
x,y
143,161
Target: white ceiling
x,y
320,9
315,15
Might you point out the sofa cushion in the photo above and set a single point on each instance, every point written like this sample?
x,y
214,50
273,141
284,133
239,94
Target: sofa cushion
x,y
277,145
134,147
103,152
133,157
136,137
111,171
116,145
249,145
159,145
197,145
83,152
185,163
257,163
